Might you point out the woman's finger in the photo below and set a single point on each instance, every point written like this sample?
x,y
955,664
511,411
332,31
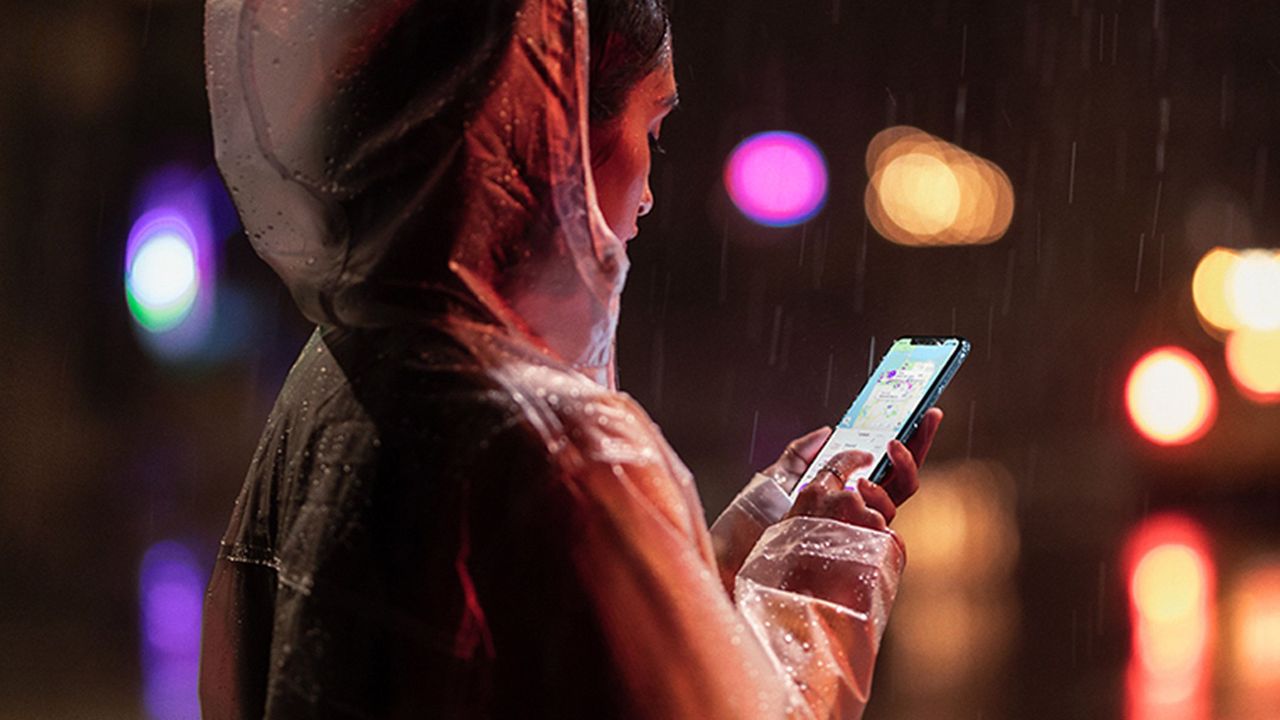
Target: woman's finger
x,y
850,461
870,518
800,452
922,439
877,499
903,480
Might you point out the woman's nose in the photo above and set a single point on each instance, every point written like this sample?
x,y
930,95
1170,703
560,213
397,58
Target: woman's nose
x,y
646,201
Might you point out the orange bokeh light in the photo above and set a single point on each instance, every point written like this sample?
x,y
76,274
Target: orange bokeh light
x,y
926,191
1171,609
1170,397
1257,627
1253,357
1209,288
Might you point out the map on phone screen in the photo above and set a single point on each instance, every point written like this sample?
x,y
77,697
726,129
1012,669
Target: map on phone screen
x,y
885,405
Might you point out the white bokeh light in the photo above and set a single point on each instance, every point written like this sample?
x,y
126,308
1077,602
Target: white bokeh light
x,y
163,271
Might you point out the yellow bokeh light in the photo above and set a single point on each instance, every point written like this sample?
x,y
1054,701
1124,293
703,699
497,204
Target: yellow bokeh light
x,y
920,193
1253,357
1253,290
1169,583
926,191
1209,288
1256,626
1171,588
1170,397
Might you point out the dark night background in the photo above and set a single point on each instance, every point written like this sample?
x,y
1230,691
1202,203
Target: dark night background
x,y
1138,134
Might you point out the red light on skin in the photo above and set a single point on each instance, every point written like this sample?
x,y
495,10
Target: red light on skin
x,y
1170,397
1171,580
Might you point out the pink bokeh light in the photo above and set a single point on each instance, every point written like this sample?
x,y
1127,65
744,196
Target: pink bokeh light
x,y
777,178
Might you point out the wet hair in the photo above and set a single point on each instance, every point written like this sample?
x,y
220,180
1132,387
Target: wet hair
x,y
629,40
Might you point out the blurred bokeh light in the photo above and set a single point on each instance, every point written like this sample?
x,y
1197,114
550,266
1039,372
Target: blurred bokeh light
x,y
1253,290
926,191
1209,289
1171,600
1256,610
956,611
1253,357
777,179
1170,397
170,263
170,594
162,280
1253,673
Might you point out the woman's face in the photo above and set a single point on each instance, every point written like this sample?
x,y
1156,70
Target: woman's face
x,y
621,152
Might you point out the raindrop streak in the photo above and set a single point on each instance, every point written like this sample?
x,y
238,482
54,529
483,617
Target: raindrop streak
x,y
666,297
804,240
146,24
755,425
787,326
1162,139
1102,36
1160,266
964,47
1115,37
831,366
1155,214
1086,38
871,357
820,255
1071,180
1137,278
1225,101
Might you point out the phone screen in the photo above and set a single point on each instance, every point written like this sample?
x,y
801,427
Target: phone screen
x,y
907,382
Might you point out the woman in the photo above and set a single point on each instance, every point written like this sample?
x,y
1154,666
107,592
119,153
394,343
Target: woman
x,y
452,513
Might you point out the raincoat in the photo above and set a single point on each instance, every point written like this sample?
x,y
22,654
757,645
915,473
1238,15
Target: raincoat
x,y
452,511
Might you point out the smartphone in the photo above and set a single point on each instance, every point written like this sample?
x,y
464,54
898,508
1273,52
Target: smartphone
x,y
910,378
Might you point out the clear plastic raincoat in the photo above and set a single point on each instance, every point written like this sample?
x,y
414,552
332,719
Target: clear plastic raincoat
x,y
452,511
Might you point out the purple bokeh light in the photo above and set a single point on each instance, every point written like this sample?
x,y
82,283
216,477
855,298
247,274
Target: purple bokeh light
x,y
175,202
170,595
777,179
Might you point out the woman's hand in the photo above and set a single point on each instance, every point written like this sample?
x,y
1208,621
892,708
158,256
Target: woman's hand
x,y
872,506
796,458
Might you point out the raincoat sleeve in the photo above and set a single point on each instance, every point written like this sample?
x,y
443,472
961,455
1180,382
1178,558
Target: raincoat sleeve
x,y
760,504
800,639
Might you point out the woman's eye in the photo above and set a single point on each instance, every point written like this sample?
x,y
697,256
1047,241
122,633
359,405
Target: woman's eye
x,y
654,147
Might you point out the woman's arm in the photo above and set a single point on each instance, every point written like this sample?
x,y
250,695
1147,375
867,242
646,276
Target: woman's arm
x,y
812,603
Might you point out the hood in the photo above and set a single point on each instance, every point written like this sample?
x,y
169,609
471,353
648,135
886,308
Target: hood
x,y
393,159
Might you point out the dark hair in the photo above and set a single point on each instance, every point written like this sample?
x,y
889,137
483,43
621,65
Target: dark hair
x,y
629,40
